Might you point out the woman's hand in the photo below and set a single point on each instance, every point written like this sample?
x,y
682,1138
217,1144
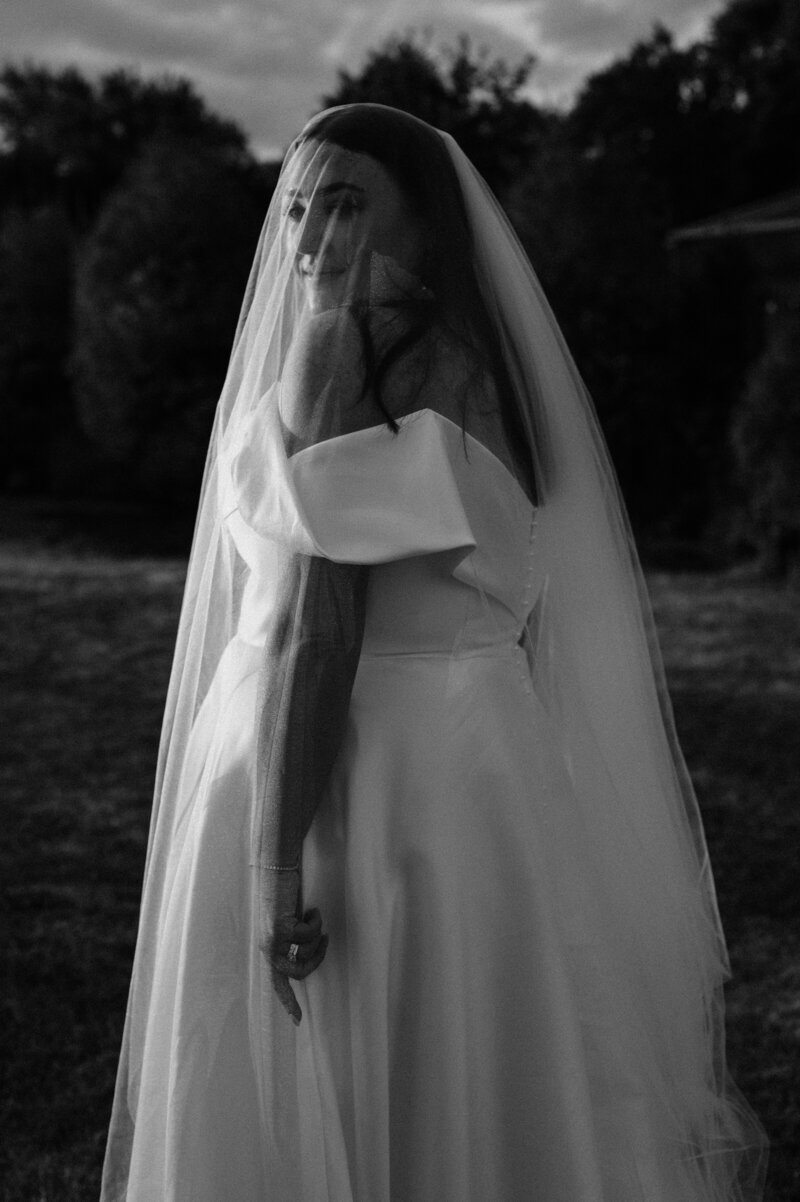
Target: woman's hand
x,y
296,948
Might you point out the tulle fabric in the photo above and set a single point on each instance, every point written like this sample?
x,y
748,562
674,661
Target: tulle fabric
x,y
523,992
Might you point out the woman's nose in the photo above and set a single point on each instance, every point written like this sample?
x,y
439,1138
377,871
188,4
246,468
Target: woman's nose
x,y
311,234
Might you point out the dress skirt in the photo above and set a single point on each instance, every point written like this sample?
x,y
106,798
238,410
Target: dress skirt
x,y
463,1039
495,1020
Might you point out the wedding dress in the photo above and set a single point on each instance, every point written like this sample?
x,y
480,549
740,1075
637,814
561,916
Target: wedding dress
x,y
520,999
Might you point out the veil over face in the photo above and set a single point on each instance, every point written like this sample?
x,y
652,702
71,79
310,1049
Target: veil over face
x,y
347,226
390,295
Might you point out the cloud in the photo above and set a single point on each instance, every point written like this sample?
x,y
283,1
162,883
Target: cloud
x,y
266,63
609,26
571,40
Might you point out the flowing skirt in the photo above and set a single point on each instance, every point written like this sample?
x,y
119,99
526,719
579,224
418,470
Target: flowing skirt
x,y
473,1032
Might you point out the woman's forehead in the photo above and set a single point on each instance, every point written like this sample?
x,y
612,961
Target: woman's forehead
x,y
325,165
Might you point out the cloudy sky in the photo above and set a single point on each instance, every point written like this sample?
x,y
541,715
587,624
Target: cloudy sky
x,y
266,62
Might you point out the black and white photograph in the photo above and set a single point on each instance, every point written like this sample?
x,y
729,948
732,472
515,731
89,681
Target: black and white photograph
x,y
400,600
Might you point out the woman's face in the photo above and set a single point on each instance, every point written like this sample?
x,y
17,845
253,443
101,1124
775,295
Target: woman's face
x,y
346,222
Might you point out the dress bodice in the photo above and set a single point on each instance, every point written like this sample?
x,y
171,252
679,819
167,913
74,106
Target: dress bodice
x,y
448,531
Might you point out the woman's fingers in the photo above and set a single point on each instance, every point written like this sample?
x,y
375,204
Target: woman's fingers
x,y
299,953
298,969
286,996
302,940
296,949
287,930
308,959
309,929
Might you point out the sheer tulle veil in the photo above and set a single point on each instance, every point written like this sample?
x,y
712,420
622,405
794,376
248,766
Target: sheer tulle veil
x,y
596,668
597,663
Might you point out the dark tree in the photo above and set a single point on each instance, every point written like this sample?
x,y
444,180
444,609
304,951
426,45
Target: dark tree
x,y
159,285
594,233
752,70
474,97
36,266
661,137
66,140
766,442
654,112
66,145
712,124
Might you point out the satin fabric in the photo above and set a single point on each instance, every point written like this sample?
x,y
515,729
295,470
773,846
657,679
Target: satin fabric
x,y
522,995
472,1031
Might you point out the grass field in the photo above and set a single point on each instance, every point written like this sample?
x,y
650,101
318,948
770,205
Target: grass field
x,y
85,647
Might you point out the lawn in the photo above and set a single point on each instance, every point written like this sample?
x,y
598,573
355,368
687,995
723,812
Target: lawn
x,y
85,646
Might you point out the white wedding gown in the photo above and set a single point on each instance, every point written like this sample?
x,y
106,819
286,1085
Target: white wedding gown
x,y
472,1035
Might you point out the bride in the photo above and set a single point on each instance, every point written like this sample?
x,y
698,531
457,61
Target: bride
x,y
427,914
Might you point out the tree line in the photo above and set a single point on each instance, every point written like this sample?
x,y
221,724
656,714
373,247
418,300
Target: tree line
x,y
129,214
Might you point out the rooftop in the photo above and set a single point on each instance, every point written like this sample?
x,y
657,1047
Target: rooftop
x,y
777,215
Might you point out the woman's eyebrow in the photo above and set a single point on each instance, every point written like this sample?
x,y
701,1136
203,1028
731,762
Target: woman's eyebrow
x,y
328,189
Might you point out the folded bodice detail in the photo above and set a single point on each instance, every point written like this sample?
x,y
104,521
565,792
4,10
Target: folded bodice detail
x,y
446,528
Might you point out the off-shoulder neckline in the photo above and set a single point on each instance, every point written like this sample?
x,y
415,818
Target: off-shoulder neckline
x,y
407,419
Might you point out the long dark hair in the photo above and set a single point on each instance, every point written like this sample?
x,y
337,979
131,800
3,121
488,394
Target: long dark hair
x,y
416,158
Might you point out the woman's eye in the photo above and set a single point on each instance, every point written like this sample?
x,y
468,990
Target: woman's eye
x,y
345,207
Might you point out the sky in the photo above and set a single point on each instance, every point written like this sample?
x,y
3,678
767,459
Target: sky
x,y
267,63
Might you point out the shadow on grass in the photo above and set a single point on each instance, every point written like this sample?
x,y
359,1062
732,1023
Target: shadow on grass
x,y
86,656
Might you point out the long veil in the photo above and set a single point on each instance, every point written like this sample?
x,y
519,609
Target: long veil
x,y
595,667
597,663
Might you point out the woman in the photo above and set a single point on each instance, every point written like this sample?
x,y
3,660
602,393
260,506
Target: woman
x,y
416,669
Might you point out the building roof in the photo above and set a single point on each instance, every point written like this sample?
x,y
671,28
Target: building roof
x,y
777,215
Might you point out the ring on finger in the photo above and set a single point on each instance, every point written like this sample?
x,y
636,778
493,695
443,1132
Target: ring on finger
x,y
292,953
